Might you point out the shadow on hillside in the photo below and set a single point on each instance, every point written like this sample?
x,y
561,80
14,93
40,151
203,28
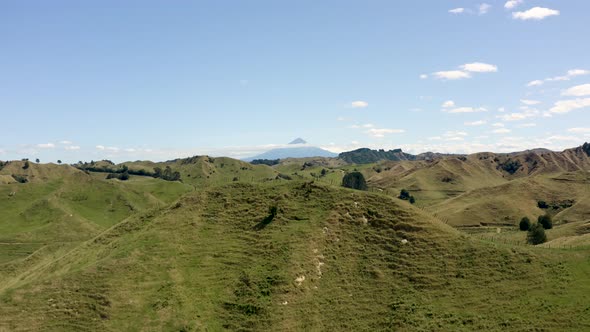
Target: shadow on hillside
x,y
261,225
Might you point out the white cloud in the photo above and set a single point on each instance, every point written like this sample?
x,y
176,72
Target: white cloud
x,y
527,125
448,103
501,131
577,72
475,123
366,125
109,148
535,83
451,75
484,8
525,114
359,104
563,138
435,138
423,76
535,13
529,102
381,132
512,4
579,130
46,146
72,147
501,110
568,76
466,110
565,106
577,91
479,67
452,133
465,71
340,118
498,124
457,11
65,142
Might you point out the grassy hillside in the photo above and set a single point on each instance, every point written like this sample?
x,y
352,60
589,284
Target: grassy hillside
x,y
331,259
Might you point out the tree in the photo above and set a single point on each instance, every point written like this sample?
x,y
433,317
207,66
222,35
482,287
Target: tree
x,y
404,194
545,221
157,172
37,160
412,200
354,180
26,165
525,224
124,176
536,234
59,161
542,205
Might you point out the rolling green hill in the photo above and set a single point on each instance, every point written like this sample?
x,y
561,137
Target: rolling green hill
x,y
243,248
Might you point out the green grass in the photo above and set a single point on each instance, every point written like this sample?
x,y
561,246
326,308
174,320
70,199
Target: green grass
x,y
211,262
81,253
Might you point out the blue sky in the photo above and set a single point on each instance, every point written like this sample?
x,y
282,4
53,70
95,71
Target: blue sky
x,y
128,80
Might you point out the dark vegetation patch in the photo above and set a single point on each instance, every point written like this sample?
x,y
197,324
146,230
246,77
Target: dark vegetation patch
x,y
20,178
268,162
511,166
556,205
354,180
367,156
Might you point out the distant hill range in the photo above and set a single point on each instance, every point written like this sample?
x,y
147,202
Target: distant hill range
x,y
298,148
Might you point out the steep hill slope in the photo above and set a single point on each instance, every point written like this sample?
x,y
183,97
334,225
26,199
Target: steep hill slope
x,y
330,259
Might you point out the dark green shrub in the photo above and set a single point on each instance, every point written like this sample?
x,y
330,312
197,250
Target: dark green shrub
x,y
26,165
536,235
404,194
268,162
525,224
354,180
412,200
272,211
545,221
511,166
542,205
20,178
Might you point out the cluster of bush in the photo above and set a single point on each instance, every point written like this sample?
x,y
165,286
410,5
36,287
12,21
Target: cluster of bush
x,y
536,232
405,195
123,172
268,162
556,205
511,166
167,174
20,178
586,148
354,180
121,176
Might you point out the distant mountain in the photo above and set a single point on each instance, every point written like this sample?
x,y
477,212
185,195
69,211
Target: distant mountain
x,y
298,141
300,150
